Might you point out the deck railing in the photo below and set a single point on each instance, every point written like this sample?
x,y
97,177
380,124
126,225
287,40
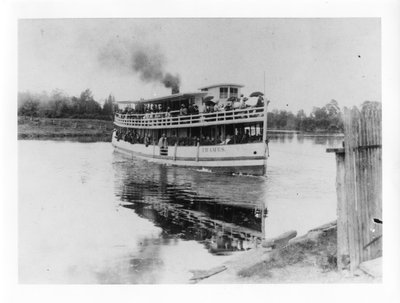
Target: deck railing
x,y
169,120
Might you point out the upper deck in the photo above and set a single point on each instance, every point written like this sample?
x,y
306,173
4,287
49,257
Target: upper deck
x,y
164,120
217,104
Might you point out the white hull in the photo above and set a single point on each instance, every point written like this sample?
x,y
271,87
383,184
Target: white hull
x,y
236,158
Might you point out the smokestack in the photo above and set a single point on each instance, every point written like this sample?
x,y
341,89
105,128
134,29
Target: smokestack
x,y
172,82
175,90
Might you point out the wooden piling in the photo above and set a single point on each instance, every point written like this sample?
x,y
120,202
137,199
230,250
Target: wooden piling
x,y
359,188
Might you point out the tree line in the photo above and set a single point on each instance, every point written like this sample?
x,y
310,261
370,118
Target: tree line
x,y
328,118
321,119
57,104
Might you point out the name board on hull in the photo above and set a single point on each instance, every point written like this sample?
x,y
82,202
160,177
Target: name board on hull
x,y
212,149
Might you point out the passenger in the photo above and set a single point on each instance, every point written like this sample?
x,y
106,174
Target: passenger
x,y
238,137
147,140
196,110
183,111
243,103
228,106
168,114
163,143
147,115
191,109
174,140
246,137
228,139
216,108
236,104
260,102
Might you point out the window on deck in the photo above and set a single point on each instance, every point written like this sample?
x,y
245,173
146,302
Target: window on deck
x,y
233,92
223,92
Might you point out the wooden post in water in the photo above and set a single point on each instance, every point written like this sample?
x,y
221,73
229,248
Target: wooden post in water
x,y
359,188
343,256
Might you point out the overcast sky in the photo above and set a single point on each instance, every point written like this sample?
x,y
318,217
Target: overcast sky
x,y
307,62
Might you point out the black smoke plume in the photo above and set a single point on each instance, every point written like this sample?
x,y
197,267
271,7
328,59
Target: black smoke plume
x,y
147,62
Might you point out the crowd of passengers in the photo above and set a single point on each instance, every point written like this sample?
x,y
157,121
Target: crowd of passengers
x,y
133,137
148,111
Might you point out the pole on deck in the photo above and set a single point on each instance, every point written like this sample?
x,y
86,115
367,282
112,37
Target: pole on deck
x,y
265,125
265,121
263,214
265,116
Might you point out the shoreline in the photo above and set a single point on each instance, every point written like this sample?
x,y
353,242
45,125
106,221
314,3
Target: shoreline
x,y
99,130
64,128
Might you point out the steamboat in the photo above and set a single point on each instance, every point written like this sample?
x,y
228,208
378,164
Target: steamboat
x,y
213,129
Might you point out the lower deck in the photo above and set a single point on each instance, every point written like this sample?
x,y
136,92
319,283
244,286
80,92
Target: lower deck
x,y
248,159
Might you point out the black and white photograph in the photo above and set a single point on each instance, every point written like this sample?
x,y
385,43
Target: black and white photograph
x,y
198,150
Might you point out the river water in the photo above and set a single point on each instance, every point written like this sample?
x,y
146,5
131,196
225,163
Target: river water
x,y
88,214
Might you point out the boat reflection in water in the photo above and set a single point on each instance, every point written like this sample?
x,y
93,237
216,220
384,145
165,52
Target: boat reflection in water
x,y
225,213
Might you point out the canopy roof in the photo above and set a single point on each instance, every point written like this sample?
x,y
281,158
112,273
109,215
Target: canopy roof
x,y
222,84
173,97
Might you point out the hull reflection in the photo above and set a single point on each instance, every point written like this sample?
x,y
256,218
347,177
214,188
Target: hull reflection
x,y
193,206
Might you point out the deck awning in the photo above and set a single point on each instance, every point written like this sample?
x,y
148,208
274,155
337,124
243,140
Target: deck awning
x,y
170,98
127,102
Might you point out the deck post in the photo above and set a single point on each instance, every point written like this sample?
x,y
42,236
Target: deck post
x,y
175,148
198,151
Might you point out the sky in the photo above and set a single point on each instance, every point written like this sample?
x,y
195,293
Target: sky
x,y
305,62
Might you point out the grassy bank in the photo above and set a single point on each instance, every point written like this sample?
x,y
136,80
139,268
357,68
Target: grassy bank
x,y
46,128
310,258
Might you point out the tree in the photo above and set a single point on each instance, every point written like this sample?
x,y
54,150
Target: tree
x,y
320,116
333,108
28,104
108,106
85,105
59,105
290,120
29,108
370,105
300,117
